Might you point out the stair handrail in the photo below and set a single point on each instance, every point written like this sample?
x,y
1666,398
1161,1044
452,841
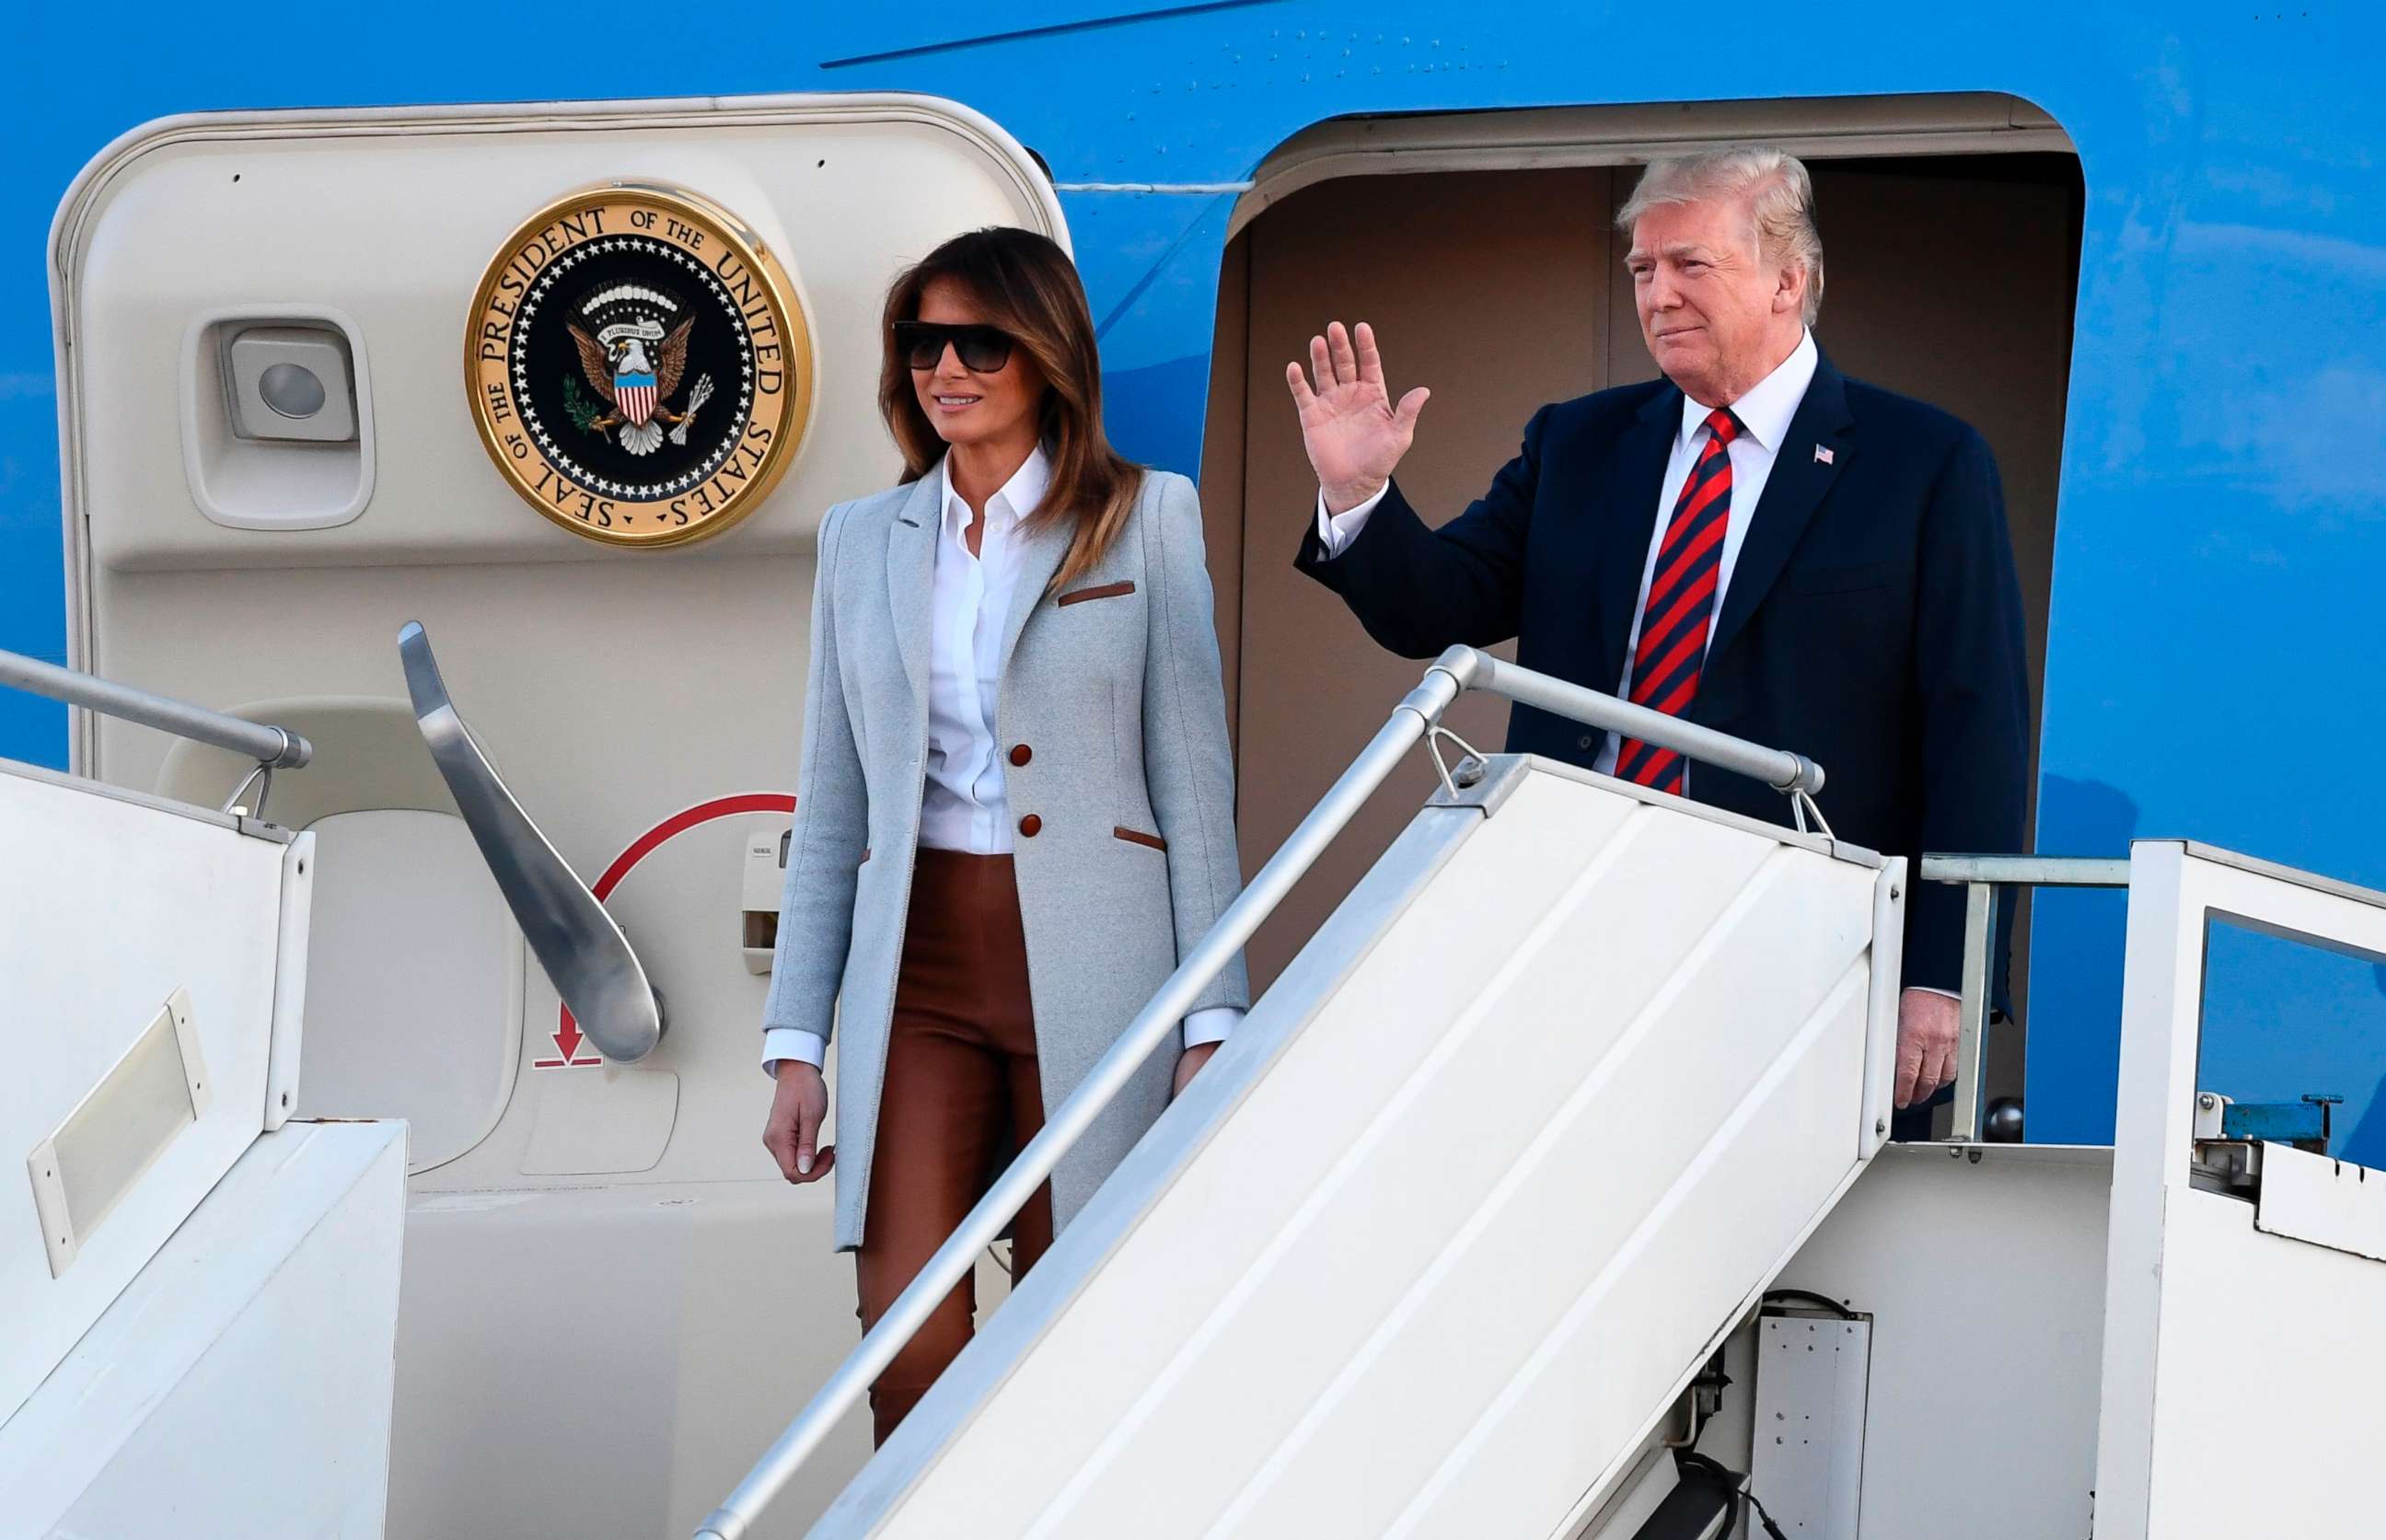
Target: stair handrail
x,y
1981,877
1455,673
273,747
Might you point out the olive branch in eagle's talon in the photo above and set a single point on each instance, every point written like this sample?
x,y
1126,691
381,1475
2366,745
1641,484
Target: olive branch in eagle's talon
x,y
584,411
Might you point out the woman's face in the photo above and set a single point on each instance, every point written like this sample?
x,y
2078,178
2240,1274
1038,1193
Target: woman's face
x,y
968,406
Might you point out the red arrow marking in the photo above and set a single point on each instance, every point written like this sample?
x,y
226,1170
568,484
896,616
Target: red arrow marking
x,y
567,1036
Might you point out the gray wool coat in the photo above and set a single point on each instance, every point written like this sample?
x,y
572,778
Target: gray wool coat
x,y
1115,686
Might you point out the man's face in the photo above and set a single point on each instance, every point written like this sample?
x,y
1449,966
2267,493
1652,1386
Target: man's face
x,y
1715,316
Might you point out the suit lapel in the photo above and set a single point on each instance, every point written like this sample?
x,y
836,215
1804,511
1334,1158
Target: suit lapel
x,y
911,575
1801,477
1639,474
1039,558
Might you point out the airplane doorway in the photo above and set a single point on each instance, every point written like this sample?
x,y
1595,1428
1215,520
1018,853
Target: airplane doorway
x,y
1492,273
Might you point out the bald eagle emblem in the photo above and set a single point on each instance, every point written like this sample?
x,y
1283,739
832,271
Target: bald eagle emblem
x,y
635,366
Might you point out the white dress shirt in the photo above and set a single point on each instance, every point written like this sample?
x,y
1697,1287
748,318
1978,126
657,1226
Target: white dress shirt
x,y
963,806
1764,413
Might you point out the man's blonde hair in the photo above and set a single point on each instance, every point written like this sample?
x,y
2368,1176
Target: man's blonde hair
x,y
1772,184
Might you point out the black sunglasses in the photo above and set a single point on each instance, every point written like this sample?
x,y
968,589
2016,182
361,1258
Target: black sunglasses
x,y
982,349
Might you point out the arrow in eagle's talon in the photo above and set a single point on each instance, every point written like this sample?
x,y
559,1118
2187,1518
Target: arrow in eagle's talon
x,y
696,398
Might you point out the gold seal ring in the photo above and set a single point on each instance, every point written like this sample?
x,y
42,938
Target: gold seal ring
x,y
639,370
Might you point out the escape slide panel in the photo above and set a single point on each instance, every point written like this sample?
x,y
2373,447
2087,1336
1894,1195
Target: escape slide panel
x,y
1439,1236
146,951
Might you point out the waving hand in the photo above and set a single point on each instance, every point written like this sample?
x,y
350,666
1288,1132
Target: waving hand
x,y
1355,435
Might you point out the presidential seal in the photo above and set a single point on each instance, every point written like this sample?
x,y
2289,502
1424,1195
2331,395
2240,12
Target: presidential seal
x,y
638,367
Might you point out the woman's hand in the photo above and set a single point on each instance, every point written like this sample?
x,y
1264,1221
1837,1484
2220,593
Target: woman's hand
x,y
1188,1064
798,1108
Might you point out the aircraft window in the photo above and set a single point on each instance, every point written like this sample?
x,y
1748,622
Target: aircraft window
x,y
2286,1018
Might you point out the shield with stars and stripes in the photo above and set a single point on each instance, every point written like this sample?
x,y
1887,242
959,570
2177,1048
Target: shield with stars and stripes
x,y
635,393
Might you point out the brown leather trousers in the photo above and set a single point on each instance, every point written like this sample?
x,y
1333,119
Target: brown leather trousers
x,y
961,1084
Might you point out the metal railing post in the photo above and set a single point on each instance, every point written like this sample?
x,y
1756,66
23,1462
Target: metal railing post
x,y
1971,1041
1980,877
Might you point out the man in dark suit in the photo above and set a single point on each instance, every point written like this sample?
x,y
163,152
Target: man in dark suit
x,y
1754,542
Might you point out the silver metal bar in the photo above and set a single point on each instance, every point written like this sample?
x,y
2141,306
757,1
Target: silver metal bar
x,y
585,954
2290,875
1981,876
1779,769
1408,723
1971,1041
275,747
2034,872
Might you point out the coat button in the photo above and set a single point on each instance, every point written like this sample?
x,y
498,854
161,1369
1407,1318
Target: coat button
x,y
1031,826
1589,740
1020,754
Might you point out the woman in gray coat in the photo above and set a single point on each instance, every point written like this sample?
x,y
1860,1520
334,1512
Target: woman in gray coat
x,y
1015,810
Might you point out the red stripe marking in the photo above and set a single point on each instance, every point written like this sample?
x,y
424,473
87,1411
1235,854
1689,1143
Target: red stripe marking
x,y
645,845
680,823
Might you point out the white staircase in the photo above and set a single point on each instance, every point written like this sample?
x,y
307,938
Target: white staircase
x,y
1440,1236
240,1386
200,1302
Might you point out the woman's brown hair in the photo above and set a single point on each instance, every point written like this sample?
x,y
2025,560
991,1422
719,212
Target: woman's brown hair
x,y
1026,284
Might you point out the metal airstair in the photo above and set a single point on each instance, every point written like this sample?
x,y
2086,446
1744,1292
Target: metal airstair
x,y
1458,1236
198,1295
1433,1245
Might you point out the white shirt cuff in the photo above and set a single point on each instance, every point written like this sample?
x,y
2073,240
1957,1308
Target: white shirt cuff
x,y
1211,1025
1335,531
1932,989
780,1042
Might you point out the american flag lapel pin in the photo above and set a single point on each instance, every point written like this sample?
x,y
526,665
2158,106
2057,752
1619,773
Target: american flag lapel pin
x,y
1822,455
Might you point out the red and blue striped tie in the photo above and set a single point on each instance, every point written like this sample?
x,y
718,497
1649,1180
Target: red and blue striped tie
x,y
1681,601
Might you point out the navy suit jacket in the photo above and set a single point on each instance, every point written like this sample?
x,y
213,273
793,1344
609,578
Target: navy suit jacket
x,y
1873,621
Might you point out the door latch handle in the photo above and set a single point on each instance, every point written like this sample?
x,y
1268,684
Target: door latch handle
x,y
585,953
